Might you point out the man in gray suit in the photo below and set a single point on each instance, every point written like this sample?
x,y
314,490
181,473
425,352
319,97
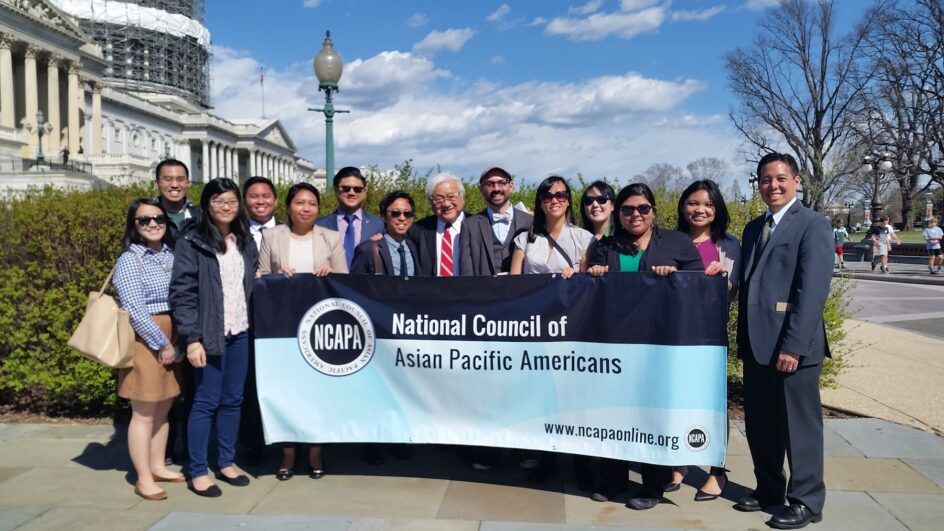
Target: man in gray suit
x,y
782,342
486,236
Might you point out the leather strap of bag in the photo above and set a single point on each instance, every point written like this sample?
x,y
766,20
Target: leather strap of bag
x,y
107,279
378,262
560,250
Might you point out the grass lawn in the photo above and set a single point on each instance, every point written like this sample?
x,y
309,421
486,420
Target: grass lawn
x,y
911,236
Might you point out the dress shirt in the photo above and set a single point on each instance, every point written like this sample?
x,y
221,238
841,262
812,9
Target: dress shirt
x,y
501,227
142,278
454,230
235,314
358,223
779,215
256,229
394,247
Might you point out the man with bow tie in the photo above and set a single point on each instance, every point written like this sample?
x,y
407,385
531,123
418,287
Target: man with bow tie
x,y
487,236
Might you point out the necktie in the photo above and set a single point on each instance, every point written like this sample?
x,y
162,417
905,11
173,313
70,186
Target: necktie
x,y
445,253
349,243
498,217
764,237
402,252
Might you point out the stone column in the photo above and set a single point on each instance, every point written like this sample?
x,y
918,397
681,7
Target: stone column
x,y
205,161
213,167
235,164
7,101
52,106
96,134
31,96
73,96
252,163
224,164
219,161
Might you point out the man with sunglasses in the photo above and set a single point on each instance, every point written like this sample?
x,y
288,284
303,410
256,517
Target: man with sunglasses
x,y
487,236
394,253
437,237
350,220
173,182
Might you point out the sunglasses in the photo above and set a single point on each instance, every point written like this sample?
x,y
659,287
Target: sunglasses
x,y
408,214
347,189
144,221
599,199
629,210
560,196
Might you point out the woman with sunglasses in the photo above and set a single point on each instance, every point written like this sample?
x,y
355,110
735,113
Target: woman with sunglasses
x,y
301,247
597,211
214,269
638,244
142,275
702,215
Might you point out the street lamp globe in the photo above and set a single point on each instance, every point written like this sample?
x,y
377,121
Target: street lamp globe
x,y
328,64
886,163
867,164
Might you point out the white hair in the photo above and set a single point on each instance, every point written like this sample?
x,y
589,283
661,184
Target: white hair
x,y
440,178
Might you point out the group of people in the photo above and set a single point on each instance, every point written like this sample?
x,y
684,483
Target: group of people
x,y
186,276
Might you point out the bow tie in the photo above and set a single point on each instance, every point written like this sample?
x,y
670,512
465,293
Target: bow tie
x,y
501,216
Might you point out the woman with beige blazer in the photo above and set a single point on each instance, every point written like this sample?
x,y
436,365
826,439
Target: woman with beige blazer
x,y
301,247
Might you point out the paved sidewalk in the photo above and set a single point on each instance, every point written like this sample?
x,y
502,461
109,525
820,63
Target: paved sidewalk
x,y
880,475
898,272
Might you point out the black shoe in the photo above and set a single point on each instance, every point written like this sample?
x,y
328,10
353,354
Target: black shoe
x,y
213,491
671,487
641,504
316,473
795,517
701,495
284,474
748,504
238,481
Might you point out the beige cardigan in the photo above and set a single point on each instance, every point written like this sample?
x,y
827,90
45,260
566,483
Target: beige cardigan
x,y
276,241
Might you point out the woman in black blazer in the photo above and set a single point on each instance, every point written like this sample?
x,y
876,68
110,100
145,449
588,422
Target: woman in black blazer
x,y
639,245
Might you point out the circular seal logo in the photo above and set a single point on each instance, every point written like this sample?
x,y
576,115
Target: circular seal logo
x,y
697,439
336,337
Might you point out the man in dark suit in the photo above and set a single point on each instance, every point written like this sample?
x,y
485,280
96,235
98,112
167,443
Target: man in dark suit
x,y
438,237
487,236
350,220
397,254
782,343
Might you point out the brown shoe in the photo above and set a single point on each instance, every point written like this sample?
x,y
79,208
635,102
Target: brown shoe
x,y
157,496
177,479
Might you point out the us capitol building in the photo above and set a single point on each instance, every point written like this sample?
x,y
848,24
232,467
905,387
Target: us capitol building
x,y
103,90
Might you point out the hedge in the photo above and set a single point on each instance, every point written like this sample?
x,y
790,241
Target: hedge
x,y
57,245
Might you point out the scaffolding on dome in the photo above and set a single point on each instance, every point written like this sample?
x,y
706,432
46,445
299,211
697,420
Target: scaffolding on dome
x,y
157,46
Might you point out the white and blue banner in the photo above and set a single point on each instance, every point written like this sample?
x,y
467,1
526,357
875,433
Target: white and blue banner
x,y
628,365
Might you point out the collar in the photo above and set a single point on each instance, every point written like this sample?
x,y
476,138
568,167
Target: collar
x,y
142,250
186,206
358,214
781,213
441,225
255,225
391,242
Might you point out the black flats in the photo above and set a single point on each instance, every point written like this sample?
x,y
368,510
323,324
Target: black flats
x,y
238,481
284,474
316,473
701,495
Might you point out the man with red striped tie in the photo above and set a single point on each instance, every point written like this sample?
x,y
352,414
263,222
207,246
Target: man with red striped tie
x,y
437,237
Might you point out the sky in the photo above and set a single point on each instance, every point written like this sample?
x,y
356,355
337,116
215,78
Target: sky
x,y
603,88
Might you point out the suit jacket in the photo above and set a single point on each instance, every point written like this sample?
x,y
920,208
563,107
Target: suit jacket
x,y
365,264
783,293
276,242
478,255
666,247
423,235
370,225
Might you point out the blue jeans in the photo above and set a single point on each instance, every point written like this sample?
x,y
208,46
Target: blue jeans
x,y
218,392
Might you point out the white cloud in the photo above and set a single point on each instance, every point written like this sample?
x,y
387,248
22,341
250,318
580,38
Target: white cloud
x,y
417,20
499,13
497,60
614,125
538,21
451,39
601,25
592,6
312,3
759,5
699,15
635,5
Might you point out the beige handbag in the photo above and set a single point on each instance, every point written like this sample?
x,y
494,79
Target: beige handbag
x,y
104,334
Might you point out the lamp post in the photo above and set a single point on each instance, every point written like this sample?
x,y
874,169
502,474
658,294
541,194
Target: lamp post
x,y
328,67
849,204
878,165
42,129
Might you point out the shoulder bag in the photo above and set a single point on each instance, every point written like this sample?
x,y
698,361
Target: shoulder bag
x,y
104,334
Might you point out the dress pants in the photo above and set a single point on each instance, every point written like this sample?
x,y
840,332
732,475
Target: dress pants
x,y
218,393
783,415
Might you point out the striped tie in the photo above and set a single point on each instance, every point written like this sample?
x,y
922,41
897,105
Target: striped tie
x,y
445,253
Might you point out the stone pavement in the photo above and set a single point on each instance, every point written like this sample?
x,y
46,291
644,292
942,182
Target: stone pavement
x,y
880,475
909,273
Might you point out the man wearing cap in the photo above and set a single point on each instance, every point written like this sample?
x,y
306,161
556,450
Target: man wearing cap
x,y
487,236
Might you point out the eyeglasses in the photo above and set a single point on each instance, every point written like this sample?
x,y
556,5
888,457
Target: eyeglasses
x,y
440,199
599,199
561,196
220,203
495,183
144,221
408,214
629,210
348,189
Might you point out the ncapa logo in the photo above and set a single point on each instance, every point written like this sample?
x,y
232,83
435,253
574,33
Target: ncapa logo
x,y
336,337
697,439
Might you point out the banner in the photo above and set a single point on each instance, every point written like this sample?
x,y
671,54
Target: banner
x,y
628,365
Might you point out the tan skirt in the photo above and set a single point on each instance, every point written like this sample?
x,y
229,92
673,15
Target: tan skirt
x,y
148,380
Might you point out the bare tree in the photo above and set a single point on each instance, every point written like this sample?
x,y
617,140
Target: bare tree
x,y
798,85
662,176
711,168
